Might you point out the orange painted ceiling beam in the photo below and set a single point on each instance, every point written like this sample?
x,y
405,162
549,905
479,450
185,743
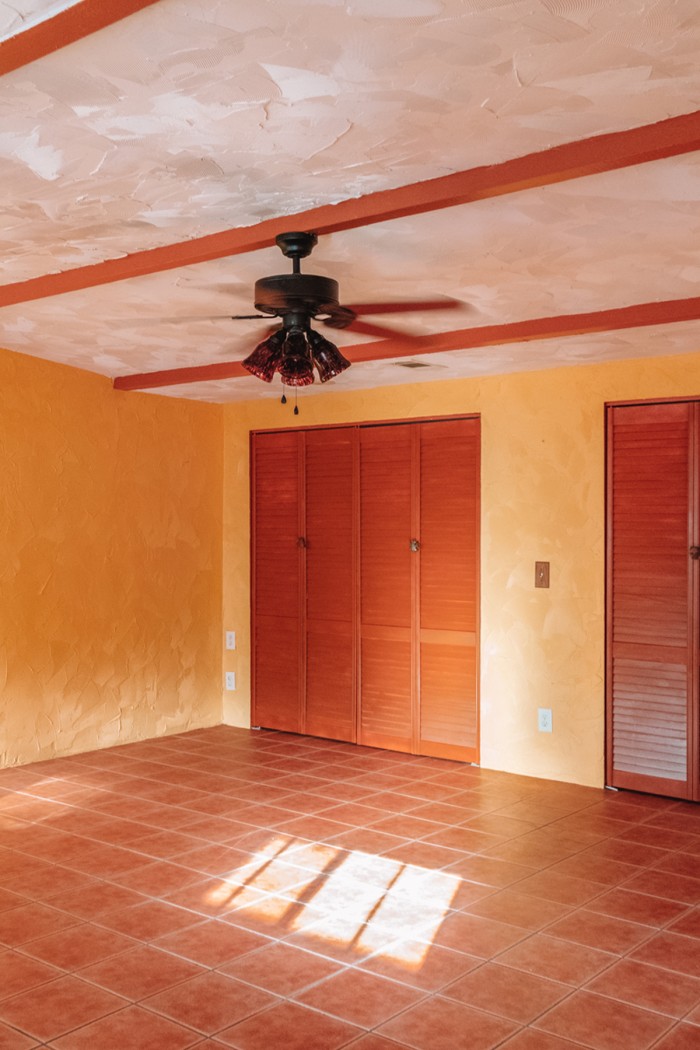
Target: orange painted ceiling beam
x,y
641,315
667,138
180,376
76,22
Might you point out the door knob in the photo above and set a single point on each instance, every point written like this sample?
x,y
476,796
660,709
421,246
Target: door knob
x,y
694,552
414,545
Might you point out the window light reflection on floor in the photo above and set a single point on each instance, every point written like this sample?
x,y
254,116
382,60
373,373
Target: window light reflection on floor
x,y
351,899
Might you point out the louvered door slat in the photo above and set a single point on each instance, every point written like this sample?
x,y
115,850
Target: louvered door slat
x,y
649,723
650,581
276,582
449,530
330,641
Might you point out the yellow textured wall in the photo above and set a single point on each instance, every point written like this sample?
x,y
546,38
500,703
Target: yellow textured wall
x,y
543,499
110,562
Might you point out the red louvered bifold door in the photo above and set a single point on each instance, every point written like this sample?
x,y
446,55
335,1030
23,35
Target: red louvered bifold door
x,y
277,580
330,583
365,584
449,559
387,669
652,615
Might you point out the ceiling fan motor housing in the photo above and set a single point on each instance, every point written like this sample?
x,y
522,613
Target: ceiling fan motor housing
x,y
296,292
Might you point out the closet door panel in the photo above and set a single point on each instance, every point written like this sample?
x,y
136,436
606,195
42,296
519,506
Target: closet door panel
x,y
650,598
277,702
386,689
385,527
330,709
449,558
330,588
277,582
448,711
386,606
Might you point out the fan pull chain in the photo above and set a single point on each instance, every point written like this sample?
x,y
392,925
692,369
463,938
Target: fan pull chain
x,y
283,401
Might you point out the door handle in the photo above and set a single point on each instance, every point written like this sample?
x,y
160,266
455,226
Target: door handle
x,y
301,542
694,552
414,546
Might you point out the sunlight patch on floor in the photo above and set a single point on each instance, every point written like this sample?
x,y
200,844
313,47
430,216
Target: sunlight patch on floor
x,y
357,900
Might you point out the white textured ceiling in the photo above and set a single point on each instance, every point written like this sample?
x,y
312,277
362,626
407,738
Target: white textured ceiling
x,y
19,15
191,118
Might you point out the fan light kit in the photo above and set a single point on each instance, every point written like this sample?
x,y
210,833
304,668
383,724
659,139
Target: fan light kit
x,y
295,349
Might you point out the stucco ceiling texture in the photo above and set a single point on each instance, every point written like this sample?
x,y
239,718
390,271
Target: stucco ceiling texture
x,y
186,119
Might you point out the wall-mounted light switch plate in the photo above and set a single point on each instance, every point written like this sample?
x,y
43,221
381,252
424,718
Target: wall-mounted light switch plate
x,y
541,574
230,680
230,639
544,719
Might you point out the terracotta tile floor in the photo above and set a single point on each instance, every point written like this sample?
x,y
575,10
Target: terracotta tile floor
x,y
256,890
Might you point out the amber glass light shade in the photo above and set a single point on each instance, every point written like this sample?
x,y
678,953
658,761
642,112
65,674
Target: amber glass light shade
x,y
296,367
293,352
265,359
327,357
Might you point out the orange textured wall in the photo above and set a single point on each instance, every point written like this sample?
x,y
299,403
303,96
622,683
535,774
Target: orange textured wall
x,y
110,562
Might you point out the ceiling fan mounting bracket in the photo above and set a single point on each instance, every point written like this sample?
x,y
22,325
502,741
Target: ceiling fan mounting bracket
x,y
296,245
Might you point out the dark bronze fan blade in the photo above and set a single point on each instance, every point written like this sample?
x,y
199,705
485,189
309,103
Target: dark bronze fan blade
x,y
379,330
259,337
417,306
145,322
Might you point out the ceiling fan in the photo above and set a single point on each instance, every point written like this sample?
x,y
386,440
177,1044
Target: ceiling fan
x,y
295,349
